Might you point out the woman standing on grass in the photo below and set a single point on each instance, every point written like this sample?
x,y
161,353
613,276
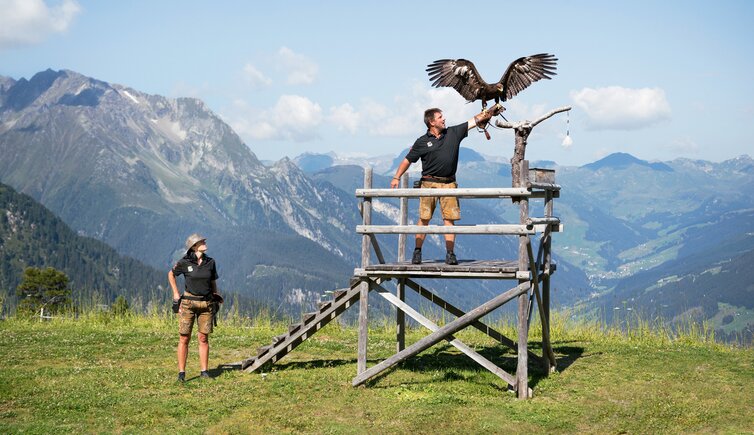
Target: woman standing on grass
x,y
197,302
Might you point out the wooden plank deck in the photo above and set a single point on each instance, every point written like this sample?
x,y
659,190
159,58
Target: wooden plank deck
x,y
469,269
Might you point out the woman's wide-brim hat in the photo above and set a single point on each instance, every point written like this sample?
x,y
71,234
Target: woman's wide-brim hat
x,y
193,240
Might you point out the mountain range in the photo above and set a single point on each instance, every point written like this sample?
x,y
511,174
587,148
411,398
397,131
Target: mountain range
x,y
140,172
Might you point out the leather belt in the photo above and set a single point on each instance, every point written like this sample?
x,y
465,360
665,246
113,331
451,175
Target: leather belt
x,y
197,298
438,179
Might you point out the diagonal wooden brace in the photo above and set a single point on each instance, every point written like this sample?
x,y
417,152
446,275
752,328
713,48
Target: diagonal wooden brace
x,y
488,330
377,250
439,335
458,344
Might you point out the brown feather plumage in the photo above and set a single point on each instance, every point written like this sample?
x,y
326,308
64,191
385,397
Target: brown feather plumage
x,y
462,75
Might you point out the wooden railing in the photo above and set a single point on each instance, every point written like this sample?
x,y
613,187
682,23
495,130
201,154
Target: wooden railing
x,y
546,190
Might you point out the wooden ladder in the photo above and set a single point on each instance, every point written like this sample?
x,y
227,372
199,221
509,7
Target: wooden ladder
x,y
310,323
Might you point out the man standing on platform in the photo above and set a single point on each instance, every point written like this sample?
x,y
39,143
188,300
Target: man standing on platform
x,y
438,150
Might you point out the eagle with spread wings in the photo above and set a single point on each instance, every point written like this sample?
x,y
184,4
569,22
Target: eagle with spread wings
x,y
461,75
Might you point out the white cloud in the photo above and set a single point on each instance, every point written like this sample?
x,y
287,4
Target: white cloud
x,y
300,69
255,77
619,108
293,117
396,125
404,116
296,111
345,117
26,22
453,105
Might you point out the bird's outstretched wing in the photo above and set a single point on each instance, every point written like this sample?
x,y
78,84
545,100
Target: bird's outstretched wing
x,y
459,74
524,71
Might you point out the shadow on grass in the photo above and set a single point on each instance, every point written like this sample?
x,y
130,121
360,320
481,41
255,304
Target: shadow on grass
x,y
313,364
222,368
567,355
447,358
287,365
442,358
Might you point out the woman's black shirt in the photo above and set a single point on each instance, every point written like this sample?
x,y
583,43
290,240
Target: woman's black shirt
x,y
198,278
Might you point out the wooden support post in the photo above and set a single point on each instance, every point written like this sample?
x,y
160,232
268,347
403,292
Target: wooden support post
x,y
361,361
442,333
547,262
548,357
522,370
518,178
403,220
400,317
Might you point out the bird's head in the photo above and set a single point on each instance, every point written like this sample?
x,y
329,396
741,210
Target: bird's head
x,y
499,88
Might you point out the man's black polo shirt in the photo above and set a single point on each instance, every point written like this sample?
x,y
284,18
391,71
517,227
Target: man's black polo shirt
x,y
439,156
197,277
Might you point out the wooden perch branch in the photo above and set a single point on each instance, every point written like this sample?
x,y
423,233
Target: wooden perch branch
x,y
528,124
523,128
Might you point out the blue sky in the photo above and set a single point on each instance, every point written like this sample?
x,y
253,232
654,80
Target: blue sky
x,y
659,80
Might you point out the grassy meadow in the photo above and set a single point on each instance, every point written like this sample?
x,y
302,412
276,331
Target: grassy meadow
x,y
118,374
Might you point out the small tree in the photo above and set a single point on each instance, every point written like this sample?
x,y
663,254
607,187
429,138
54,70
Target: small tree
x,y
43,288
120,307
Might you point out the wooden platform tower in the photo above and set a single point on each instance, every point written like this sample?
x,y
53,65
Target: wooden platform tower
x,y
531,274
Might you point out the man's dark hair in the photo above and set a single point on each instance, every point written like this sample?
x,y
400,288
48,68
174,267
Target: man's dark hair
x,y
429,115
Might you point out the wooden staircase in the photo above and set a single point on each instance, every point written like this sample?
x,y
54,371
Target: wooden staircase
x,y
298,332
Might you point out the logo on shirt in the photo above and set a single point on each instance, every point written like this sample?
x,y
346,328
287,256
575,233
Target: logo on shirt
x,y
429,144
191,268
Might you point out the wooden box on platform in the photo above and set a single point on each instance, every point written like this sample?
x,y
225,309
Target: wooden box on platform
x,y
540,175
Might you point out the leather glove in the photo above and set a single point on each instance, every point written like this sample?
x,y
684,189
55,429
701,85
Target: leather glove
x,y
485,115
483,118
216,298
176,306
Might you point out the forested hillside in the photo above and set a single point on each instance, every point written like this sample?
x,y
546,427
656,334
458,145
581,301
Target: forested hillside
x,y
30,235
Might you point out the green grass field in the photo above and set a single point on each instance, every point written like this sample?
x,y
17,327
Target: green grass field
x,y
118,375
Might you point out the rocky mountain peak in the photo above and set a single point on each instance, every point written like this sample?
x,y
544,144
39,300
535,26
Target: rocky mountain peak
x,y
139,170
5,83
742,164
